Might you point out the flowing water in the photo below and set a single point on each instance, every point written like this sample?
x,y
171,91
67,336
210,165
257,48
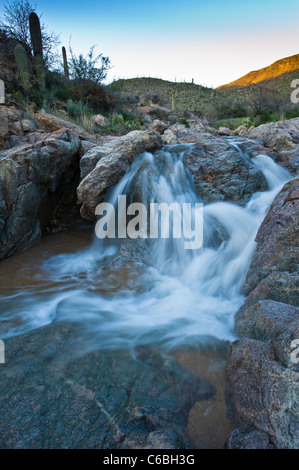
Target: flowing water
x,y
149,291
179,297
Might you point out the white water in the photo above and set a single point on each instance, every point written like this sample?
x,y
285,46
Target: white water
x,y
182,297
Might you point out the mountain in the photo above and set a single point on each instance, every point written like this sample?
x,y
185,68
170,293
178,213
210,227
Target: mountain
x,y
279,67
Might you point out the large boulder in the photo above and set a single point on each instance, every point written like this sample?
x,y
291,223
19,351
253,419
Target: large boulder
x,y
32,179
283,138
221,172
224,131
103,166
277,248
100,120
51,123
189,133
56,391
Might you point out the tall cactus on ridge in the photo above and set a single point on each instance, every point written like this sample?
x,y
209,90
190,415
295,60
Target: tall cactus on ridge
x,y
65,64
23,66
37,45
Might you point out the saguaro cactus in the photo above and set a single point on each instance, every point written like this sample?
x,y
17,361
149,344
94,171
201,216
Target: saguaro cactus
x,y
65,63
22,61
37,45
172,101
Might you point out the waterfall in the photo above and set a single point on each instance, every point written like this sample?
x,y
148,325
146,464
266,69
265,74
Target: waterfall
x,y
177,297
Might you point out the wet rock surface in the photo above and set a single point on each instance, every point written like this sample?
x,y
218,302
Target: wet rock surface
x,y
265,393
277,249
221,172
58,392
263,373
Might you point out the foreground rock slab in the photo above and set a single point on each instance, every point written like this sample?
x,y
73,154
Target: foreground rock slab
x,y
263,374
56,391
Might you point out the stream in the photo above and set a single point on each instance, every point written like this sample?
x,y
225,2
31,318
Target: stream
x,y
128,293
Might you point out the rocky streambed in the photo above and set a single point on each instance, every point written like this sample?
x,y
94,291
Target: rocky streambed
x,y
66,385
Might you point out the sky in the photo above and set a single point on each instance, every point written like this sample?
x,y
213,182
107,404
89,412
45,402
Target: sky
x,y
212,42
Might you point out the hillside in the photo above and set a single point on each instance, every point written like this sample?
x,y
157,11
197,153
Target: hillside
x,y
264,95
173,95
274,70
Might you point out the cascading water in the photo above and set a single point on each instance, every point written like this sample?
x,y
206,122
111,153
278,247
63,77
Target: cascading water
x,y
178,297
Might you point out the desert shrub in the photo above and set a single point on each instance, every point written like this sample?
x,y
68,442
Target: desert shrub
x,y
78,109
98,98
292,113
123,123
233,123
185,122
128,99
227,108
159,114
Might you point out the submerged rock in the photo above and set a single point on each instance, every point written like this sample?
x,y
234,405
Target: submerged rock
x,y
57,391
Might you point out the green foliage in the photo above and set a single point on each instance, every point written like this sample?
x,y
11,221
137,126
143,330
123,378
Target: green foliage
x,y
78,109
122,123
292,113
86,69
159,114
65,64
233,123
23,66
228,108
185,122
58,86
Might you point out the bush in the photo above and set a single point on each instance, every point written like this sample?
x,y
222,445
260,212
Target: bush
x,y
99,98
123,123
159,114
77,109
292,113
227,108
185,122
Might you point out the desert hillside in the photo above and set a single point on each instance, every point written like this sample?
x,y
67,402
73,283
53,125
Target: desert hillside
x,y
267,73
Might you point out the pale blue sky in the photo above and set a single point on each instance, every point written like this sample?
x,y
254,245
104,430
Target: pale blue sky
x,y
213,41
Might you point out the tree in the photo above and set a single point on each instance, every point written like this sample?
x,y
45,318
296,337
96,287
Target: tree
x,y
15,22
85,68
